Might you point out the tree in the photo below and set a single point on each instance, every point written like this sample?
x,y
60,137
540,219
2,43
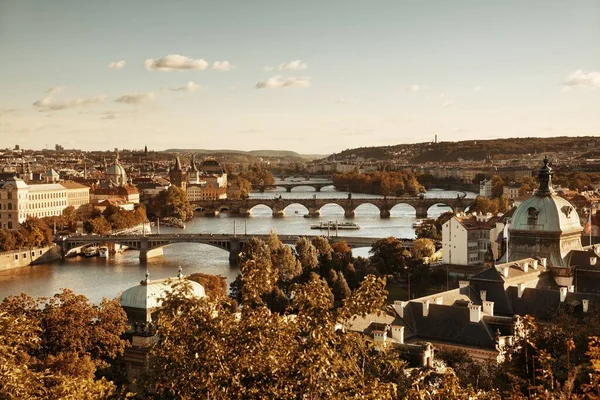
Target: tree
x,y
497,186
283,259
422,248
8,241
172,202
387,256
215,286
257,272
70,218
528,185
307,254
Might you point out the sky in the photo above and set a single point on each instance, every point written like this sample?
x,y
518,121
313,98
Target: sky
x,y
313,76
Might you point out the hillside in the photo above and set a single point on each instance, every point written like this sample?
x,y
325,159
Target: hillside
x,y
253,153
473,149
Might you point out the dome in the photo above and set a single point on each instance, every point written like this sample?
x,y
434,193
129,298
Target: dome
x,y
116,169
148,294
550,213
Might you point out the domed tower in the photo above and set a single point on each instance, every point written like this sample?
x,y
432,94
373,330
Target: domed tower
x,y
546,225
115,174
178,175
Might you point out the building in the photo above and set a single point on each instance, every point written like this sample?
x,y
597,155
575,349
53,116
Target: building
x,y
511,192
115,174
469,239
77,194
140,303
178,175
19,201
514,174
485,188
210,181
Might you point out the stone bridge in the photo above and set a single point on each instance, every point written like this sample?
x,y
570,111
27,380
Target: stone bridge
x,y
314,205
289,186
152,245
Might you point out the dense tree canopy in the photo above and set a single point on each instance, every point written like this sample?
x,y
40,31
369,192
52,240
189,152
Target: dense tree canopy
x,y
384,183
172,202
34,232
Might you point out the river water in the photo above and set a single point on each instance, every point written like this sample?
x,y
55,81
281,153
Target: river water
x,y
108,277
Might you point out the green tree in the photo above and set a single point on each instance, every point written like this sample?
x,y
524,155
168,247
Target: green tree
x,y
422,248
172,202
387,256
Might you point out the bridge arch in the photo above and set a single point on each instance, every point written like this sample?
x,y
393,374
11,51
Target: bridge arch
x,y
296,208
259,209
366,209
403,210
303,188
332,209
437,209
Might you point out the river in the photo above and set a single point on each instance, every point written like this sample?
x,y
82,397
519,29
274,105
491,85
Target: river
x,y
108,277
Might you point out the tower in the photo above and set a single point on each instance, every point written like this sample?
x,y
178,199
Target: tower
x,y
194,174
177,175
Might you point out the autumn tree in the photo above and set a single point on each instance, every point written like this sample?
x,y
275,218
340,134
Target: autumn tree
x,y
215,286
387,256
307,254
172,202
283,260
422,248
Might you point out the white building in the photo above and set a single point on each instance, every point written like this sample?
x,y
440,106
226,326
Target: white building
x,y
467,238
485,188
19,201
511,192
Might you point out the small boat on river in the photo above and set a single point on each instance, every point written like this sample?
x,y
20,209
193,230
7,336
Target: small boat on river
x,y
103,252
335,224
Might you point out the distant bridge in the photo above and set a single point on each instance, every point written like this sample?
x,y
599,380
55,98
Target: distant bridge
x,y
289,186
314,205
152,245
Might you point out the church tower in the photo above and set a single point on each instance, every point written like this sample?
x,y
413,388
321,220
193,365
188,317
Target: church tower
x,y
177,175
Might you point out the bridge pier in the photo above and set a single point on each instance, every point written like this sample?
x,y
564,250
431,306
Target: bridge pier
x,y
384,213
317,188
288,189
349,213
146,254
234,252
278,214
422,211
244,212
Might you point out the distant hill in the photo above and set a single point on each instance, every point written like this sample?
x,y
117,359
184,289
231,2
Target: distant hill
x,y
477,150
254,153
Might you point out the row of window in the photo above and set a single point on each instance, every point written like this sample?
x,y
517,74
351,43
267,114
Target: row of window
x,y
25,254
45,196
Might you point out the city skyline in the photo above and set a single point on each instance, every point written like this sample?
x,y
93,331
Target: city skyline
x,y
303,76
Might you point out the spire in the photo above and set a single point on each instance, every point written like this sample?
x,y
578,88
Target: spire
x,y
117,156
545,178
193,164
177,166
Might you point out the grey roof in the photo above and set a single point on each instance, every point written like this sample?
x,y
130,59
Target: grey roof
x,y
148,294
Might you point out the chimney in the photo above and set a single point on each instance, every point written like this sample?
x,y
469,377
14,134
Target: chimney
x,y
474,313
482,295
399,307
543,261
563,293
463,286
439,300
488,308
520,289
505,271
398,333
585,304
571,289
525,266
534,264
426,308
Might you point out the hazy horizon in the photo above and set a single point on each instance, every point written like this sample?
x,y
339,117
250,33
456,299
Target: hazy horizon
x,y
305,76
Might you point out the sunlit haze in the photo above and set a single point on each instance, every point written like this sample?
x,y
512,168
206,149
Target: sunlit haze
x,y
309,76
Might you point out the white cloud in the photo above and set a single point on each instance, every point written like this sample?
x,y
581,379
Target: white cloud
x,y
413,88
296,65
221,66
189,87
174,62
111,115
584,79
135,98
117,64
49,104
281,82
268,68
55,89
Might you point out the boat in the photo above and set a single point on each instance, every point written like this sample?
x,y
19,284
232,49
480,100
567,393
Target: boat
x,y
335,225
417,223
90,251
103,252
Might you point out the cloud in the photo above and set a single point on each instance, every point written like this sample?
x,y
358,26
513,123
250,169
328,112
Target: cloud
x,y
135,98
447,103
189,87
296,65
49,104
111,115
221,66
413,88
55,89
117,64
174,62
268,68
281,82
583,79
4,111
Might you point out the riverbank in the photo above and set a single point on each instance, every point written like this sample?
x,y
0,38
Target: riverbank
x,y
26,257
